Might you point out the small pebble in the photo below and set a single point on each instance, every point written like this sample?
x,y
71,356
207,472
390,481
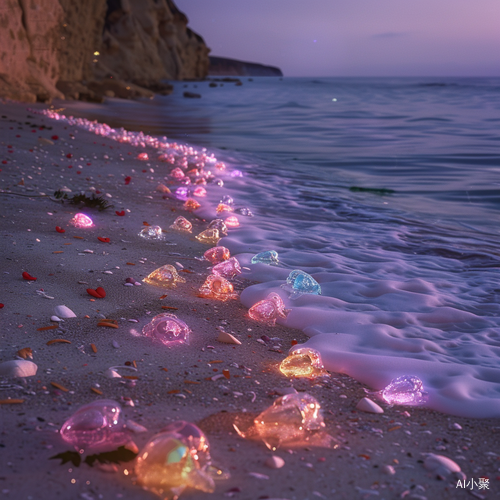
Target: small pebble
x,y
389,470
274,462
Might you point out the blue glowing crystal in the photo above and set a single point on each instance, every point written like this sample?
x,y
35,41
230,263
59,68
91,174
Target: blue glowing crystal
x,y
299,283
269,257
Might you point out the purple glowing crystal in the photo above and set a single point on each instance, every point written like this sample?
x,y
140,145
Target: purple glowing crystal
x,y
168,329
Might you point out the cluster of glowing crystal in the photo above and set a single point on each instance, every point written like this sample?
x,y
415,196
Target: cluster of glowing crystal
x,y
209,236
81,220
168,464
244,211
267,311
217,287
227,200
97,425
303,362
191,204
229,268
220,225
182,224
292,420
269,257
168,329
299,283
217,254
152,233
405,390
165,276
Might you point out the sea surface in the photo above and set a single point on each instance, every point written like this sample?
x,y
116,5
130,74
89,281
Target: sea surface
x,y
385,190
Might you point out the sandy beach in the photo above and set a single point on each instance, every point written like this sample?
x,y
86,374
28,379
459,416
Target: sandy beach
x,y
207,382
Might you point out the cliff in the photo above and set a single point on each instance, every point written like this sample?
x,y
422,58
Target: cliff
x,y
234,67
67,48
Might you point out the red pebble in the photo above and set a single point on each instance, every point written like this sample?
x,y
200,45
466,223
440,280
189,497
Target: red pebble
x,y
69,155
55,137
28,277
98,293
1,306
60,229
104,240
127,180
121,214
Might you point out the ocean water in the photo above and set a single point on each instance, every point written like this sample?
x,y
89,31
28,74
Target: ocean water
x,y
387,191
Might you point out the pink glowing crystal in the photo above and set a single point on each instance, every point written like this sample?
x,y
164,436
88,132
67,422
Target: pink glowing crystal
x,y
232,221
182,224
96,425
217,287
143,156
405,390
177,173
292,420
81,220
267,311
229,268
168,329
217,254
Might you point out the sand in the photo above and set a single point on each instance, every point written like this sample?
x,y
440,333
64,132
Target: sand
x,y
179,382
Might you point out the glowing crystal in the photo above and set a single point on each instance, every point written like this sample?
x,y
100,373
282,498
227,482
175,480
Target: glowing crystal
x,y
81,220
232,221
217,254
244,211
165,276
220,165
181,193
217,287
96,425
168,329
303,362
229,268
182,224
167,465
267,311
269,257
191,204
292,420
299,283
152,233
405,390
209,236
236,173
220,225
143,156
200,191
222,207
227,200
177,173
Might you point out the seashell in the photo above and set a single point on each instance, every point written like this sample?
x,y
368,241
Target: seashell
x,y
57,319
161,188
18,368
135,427
368,406
441,465
227,338
274,462
64,312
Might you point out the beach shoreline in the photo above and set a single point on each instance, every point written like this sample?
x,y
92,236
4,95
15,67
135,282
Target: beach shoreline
x,y
177,382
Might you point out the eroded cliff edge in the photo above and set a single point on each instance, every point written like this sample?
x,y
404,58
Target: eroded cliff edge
x,y
123,48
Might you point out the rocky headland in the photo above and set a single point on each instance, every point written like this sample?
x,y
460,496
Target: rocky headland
x,y
89,50
234,67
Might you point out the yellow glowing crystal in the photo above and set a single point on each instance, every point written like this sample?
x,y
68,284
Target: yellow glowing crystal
x,y
165,276
209,236
217,287
167,465
222,207
303,362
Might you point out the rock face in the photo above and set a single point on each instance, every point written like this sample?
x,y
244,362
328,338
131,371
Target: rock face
x,y
233,67
57,48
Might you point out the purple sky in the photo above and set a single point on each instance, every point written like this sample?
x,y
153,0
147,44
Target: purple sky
x,y
354,37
